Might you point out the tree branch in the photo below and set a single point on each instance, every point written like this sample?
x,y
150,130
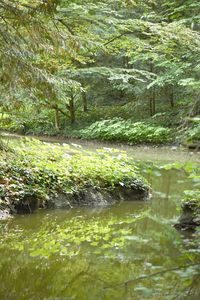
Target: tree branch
x,y
125,283
66,25
118,37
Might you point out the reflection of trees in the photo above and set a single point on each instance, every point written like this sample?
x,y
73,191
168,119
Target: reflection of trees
x,y
177,291
153,258
192,291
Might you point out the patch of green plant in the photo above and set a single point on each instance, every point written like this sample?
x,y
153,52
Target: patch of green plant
x,y
193,134
126,131
192,196
39,170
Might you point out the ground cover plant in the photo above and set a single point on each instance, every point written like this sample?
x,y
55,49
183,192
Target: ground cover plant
x,y
39,171
126,131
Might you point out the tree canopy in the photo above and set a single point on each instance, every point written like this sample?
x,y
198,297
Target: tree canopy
x,y
59,56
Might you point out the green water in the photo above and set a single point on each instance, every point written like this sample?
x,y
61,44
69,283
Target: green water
x,y
103,253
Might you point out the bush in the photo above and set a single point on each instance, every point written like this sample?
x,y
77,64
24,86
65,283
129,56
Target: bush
x,y
126,131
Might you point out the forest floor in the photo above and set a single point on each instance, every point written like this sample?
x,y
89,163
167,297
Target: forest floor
x,y
120,124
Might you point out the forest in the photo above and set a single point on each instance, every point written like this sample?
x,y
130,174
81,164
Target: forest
x,y
124,71
99,149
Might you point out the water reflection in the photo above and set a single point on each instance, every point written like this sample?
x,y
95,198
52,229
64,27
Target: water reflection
x,y
128,251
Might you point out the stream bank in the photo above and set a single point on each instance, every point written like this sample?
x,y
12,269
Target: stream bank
x,y
102,191
42,175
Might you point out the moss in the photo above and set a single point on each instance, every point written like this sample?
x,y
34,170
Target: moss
x,y
38,172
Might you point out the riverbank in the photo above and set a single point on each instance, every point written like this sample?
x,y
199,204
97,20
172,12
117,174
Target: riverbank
x,y
165,153
39,175
45,148
129,131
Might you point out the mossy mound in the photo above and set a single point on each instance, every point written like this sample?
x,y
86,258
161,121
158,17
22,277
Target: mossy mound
x,y
41,175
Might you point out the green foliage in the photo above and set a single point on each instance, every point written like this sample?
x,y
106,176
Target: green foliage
x,y
126,131
68,56
41,171
193,134
192,196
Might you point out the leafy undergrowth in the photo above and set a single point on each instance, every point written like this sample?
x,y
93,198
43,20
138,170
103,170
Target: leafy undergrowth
x,y
192,135
127,124
126,131
192,196
40,171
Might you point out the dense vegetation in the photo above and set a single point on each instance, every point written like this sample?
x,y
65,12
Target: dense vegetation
x,y
65,65
125,131
123,71
30,178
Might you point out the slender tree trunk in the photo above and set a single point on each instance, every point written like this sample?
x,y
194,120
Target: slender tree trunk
x,y
72,110
152,99
57,119
171,96
126,62
150,106
85,102
152,102
121,95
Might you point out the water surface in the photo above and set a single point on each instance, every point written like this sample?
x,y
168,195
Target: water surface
x,y
119,252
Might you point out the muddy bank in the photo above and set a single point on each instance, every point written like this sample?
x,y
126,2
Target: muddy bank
x,y
90,197
96,197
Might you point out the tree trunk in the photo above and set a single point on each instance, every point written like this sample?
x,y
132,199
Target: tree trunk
x,y
171,96
126,62
56,119
85,102
72,110
150,106
152,103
